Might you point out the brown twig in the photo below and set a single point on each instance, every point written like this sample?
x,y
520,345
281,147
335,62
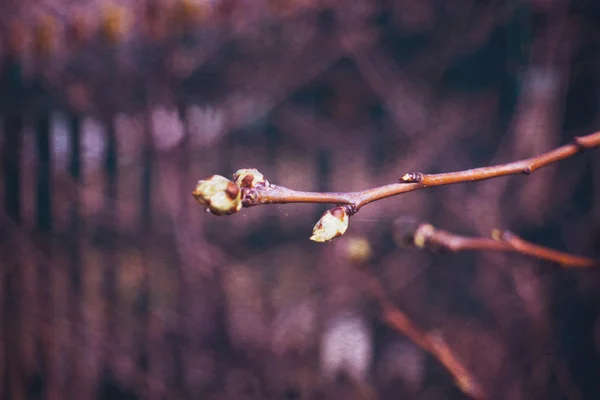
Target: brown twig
x,y
222,197
425,235
272,194
432,342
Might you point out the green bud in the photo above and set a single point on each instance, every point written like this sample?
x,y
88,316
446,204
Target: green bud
x,y
219,195
331,225
249,178
358,250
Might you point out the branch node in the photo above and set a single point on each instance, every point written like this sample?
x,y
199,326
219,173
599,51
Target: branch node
x,y
350,209
507,236
249,197
580,143
528,170
412,177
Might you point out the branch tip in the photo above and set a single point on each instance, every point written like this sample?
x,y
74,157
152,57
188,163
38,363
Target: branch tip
x,y
350,209
219,195
422,235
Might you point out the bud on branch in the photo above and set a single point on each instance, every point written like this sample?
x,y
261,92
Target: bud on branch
x,y
250,188
331,225
426,236
219,195
249,178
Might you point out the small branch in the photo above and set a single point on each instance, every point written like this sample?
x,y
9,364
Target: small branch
x,y
519,245
272,194
526,166
425,235
281,195
221,196
432,342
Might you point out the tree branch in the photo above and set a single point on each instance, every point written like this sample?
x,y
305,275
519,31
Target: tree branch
x,y
272,194
432,342
222,196
427,236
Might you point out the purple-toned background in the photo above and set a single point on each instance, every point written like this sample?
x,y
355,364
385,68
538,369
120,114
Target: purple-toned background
x,y
114,284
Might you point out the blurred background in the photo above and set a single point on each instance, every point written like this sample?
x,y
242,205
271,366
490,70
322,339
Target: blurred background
x,y
114,284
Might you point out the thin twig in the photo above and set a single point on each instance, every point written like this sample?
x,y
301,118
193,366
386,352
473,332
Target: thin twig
x,y
272,194
432,342
425,235
222,197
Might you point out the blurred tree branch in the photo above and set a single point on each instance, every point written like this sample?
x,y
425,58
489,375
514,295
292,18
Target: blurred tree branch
x,y
432,342
427,236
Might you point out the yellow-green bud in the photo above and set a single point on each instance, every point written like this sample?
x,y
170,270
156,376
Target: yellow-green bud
x,y
358,250
423,233
249,178
220,195
331,225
